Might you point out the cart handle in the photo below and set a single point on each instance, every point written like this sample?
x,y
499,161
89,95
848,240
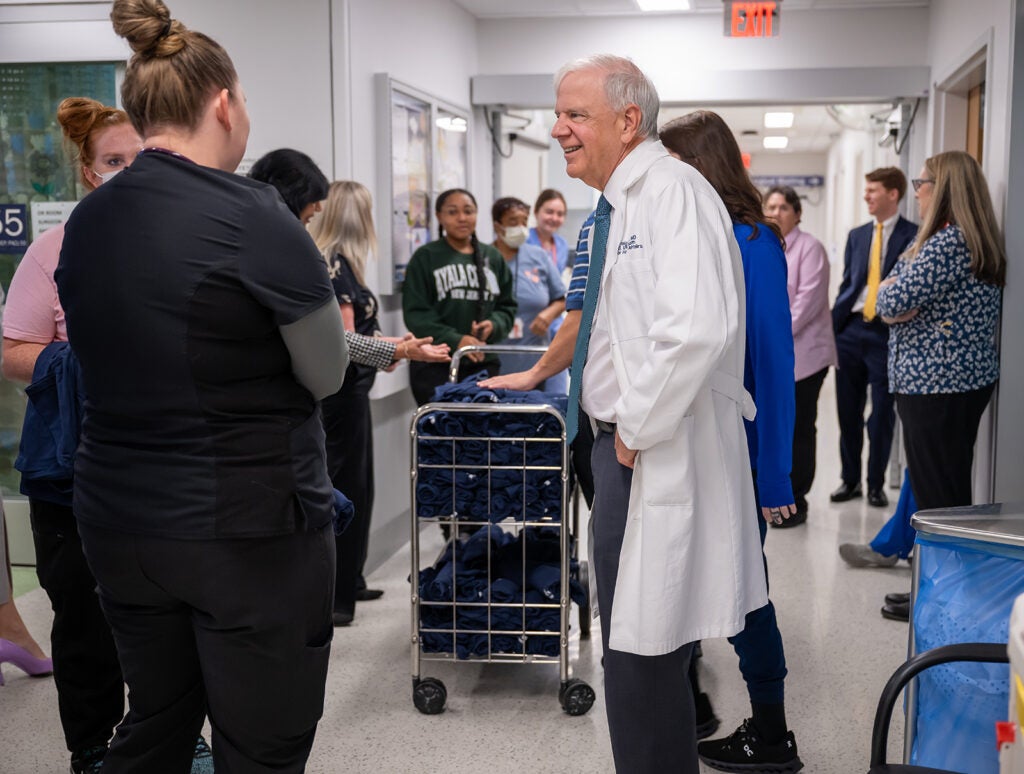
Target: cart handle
x,y
508,349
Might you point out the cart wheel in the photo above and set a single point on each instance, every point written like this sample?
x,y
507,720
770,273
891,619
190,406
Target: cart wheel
x,y
583,576
576,697
429,695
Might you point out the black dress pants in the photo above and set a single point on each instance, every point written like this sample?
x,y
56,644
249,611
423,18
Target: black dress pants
x,y
86,672
348,427
237,628
424,378
938,434
863,352
649,702
805,436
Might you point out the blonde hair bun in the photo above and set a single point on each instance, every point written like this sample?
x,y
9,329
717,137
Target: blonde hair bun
x,y
148,27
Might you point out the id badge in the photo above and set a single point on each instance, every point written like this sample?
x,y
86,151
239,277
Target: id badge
x,y
517,329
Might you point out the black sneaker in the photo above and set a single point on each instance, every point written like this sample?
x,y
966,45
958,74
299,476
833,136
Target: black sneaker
x,y
88,761
743,751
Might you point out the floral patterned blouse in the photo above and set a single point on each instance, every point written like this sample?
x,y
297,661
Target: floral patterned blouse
x,y
950,346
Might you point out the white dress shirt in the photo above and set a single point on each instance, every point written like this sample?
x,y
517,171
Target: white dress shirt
x,y
887,228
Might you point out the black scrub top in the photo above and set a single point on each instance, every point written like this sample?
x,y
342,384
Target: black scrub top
x,y
174,280
348,289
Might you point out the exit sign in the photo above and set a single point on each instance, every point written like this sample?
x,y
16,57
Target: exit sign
x,y
749,19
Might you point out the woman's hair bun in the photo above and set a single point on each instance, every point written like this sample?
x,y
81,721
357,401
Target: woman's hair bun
x,y
80,118
77,117
148,27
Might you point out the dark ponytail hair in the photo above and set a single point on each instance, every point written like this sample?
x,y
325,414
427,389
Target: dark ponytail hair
x,y
295,176
478,254
705,141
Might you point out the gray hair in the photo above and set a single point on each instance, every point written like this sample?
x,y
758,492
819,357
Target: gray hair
x,y
624,84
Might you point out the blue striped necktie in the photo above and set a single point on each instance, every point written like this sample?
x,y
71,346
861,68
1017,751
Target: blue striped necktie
x,y
598,243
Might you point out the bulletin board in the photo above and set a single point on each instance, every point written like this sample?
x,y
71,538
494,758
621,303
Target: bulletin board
x,y
423,150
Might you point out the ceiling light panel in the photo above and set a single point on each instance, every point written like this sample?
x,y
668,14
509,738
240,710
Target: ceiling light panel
x,y
781,120
776,142
664,5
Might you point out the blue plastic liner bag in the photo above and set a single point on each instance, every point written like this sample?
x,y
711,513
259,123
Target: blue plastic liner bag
x,y
965,594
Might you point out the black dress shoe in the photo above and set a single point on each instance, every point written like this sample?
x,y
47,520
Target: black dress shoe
x,y
846,492
342,618
365,595
877,498
897,599
897,612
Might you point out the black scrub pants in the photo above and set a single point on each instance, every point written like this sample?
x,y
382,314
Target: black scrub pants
x,y
649,703
240,629
348,428
86,672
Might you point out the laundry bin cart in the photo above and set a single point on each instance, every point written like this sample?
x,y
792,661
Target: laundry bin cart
x,y
968,570
495,477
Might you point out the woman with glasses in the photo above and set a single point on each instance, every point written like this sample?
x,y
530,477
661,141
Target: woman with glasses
x,y
942,304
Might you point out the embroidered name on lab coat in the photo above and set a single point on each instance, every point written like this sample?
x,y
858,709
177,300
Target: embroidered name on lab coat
x,y
632,244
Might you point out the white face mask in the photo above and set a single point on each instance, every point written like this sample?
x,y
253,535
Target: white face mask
x,y
106,177
514,236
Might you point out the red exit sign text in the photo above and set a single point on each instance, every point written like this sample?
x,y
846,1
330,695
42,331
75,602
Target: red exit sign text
x,y
759,19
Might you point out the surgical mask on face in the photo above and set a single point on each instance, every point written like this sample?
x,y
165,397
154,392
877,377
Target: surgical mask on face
x,y
514,236
106,177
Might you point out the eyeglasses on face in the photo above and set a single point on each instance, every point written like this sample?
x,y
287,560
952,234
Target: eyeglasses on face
x,y
917,182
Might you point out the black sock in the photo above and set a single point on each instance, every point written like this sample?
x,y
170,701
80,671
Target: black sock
x,y
770,721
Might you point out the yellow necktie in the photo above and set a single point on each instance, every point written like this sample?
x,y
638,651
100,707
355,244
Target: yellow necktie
x,y
874,274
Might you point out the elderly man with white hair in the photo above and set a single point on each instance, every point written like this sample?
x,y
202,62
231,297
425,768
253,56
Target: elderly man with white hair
x,y
658,367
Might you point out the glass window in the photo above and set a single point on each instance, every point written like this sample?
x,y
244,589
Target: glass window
x,y
34,168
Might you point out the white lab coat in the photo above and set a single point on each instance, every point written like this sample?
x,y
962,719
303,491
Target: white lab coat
x,y
672,295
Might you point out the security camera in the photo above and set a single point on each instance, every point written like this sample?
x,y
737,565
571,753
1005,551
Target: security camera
x,y
891,134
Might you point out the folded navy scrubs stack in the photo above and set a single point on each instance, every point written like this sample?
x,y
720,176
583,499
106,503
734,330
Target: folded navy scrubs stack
x,y
467,470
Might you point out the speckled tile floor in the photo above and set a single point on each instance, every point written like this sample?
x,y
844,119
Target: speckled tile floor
x,y
505,718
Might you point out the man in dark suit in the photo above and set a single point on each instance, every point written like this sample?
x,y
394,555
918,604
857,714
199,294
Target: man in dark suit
x,y
862,339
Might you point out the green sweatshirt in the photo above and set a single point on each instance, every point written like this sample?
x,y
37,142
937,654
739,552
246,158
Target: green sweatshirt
x,y
439,297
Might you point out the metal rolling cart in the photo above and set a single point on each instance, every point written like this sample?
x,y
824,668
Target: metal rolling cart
x,y
495,476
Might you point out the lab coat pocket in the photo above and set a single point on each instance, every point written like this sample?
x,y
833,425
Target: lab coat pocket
x,y
632,282
666,549
668,477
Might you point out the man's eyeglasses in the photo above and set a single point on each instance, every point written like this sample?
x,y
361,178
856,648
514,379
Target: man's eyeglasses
x,y
917,182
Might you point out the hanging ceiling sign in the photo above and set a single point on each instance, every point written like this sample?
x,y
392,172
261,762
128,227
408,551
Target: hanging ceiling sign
x,y
793,181
759,19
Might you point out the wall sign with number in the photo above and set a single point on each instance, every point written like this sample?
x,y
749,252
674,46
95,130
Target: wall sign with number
x,y
13,228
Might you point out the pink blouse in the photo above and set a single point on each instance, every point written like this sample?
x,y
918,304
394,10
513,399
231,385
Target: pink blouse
x,y
33,311
814,345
